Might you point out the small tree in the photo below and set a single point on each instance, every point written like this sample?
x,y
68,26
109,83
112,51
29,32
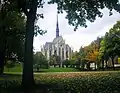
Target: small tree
x,y
40,60
83,62
52,60
66,63
10,64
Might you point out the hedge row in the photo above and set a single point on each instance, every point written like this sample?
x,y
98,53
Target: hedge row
x,y
92,82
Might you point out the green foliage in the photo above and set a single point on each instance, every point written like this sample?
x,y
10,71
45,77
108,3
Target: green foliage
x,y
76,56
83,62
81,11
78,12
101,49
114,37
86,82
87,54
110,45
40,61
13,33
39,58
53,60
9,64
72,62
17,68
119,60
66,62
38,31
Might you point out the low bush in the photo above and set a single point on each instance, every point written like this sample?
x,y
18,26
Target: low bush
x,y
84,82
91,82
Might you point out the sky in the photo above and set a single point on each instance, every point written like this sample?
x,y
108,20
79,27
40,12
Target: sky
x,y
82,37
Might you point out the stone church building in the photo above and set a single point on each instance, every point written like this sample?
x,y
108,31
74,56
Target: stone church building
x,y
57,47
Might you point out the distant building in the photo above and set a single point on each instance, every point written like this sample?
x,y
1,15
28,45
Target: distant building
x,y
57,47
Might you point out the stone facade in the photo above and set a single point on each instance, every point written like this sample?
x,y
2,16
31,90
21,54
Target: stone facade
x,y
57,47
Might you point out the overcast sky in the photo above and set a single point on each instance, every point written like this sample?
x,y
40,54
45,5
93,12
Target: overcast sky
x,y
82,37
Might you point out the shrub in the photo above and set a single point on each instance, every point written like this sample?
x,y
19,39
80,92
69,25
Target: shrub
x,y
10,64
85,82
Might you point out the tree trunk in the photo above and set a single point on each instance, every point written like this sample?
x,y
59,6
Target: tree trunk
x,y
103,64
82,66
73,65
2,54
2,49
106,63
2,57
113,63
95,66
66,65
1,66
2,42
27,77
88,65
59,65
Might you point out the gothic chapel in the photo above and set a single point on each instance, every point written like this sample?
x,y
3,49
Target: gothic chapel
x,y
57,47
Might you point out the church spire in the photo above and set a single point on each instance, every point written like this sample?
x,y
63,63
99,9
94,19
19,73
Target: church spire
x,y
57,28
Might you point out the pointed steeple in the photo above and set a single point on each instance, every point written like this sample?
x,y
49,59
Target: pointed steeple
x,y
57,28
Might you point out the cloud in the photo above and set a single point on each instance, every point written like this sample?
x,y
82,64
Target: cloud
x,y
83,36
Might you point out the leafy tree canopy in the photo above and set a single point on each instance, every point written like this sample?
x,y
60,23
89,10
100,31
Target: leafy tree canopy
x,y
12,30
79,11
111,41
39,58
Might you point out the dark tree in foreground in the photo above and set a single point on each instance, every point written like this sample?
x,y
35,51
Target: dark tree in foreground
x,y
12,33
29,8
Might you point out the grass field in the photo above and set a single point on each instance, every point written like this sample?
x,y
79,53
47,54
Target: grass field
x,y
59,70
14,69
52,69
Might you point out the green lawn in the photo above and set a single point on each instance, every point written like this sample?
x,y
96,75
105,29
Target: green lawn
x,y
17,68
59,70
52,69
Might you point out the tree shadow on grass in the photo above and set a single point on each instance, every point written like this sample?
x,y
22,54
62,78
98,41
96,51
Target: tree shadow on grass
x,y
37,88
11,83
8,75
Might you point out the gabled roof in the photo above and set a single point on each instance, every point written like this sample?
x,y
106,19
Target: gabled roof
x,y
58,40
